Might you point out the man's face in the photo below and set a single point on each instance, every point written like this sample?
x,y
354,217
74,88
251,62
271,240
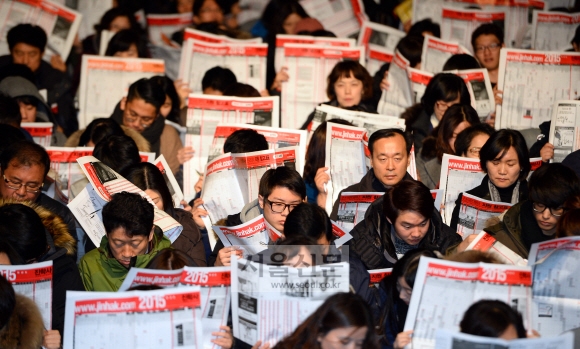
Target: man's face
x,y
390,159
25,179
278,205
487,49
123,247
28,112
210,12
138,114
28,55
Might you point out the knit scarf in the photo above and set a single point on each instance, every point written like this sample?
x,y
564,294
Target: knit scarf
x,y
495,195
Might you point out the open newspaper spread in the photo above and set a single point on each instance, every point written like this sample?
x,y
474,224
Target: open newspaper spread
x,y
60,23
352,208
167,318
553,31
270,301
380,42
486,243
342,17
475,213
252,237
103,184
105,79
399,96
532,81
368,121
174,189
190,33
204,114
345,159
308,67
418,79
246,60
446,339
458,24
215,290
161,27
437,51
41,132
565,129
444,290
556,300
479,86
35,282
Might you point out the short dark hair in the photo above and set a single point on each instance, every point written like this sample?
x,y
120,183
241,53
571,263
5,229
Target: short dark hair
x,y
117,152
388,133
147,176
308,220
411,47
9,111
10,252
284,177
461,61
245,141
29,34
349,69
218,78
8,136
465,137
499,143
444,87
100,129
122,41
552,185
426,25
147,90
168,86
112,14
454,115
26,153
487,29
490,318
239,89
408,195
197,5
130,212
22,228
170,259
8,303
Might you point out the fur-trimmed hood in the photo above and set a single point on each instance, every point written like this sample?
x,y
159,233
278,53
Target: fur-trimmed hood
x,y
54,225
25,328
142,144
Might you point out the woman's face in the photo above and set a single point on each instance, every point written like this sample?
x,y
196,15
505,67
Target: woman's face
x,y
166,107
505,171
475,146
441,107
132,52
210,12
344,338
348,90
119,23
411,227
405,291
462,126
155,197
290,23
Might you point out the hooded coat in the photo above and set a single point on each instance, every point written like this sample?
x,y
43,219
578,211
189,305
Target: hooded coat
x,y
25,328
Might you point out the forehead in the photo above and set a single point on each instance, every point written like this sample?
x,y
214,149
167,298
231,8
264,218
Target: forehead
x,y
25,47
410,217
120,234
509,154
141,107
486,39
284,194
33,172
347,77
394,144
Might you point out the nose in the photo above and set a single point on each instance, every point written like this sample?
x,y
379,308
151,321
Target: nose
x,y
502,169
390,164
21,192
127,252
546,214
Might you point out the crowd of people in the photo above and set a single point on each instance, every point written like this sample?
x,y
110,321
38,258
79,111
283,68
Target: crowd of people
x,y
398,228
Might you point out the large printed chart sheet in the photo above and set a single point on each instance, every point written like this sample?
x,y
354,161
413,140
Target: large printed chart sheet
x,y
165,319
161,27
252,237
475,213
436,52
553,31
556,289
380,42
565,129
342,17
308,67
41,132
35,282
459,24
444,290
352,208
399,96
63,160
532,81
105,80
479,86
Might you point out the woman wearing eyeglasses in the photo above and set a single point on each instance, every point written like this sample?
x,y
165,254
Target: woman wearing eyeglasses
x,y
469,141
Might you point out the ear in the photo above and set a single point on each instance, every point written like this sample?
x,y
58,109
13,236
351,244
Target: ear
x,y
261,201
151,234
409,159
123,103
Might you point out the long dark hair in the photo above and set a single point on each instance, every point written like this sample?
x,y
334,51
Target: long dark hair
x,y
455,115
276,13
147,176
338,311
167,84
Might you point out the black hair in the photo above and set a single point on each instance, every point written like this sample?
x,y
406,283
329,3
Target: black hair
x,y
345,69
487,29
282,177
29,34
112,14
308,220
167,84
444,87
499,143
147,176
9,135
408,195
276,13
464,138
426,25
552,184
10,252
239,89
7,301
129,212
576,38
122,41
461,61
22,228
28,100
491,318
21,70
411,47
197,5
245,141
117,152
388,133
100,129
218,78
9,111
453,117
25,153
147,90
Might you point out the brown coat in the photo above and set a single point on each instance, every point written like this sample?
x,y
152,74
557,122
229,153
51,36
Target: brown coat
x,y
25,328
170,143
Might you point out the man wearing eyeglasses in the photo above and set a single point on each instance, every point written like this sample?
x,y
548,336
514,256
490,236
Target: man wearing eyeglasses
x,y
280,190
24,166
487,41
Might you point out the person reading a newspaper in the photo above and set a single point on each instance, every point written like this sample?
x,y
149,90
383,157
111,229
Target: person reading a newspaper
x,y
536,219
505,160
280,191
404,219
390,156
131,240
469,141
